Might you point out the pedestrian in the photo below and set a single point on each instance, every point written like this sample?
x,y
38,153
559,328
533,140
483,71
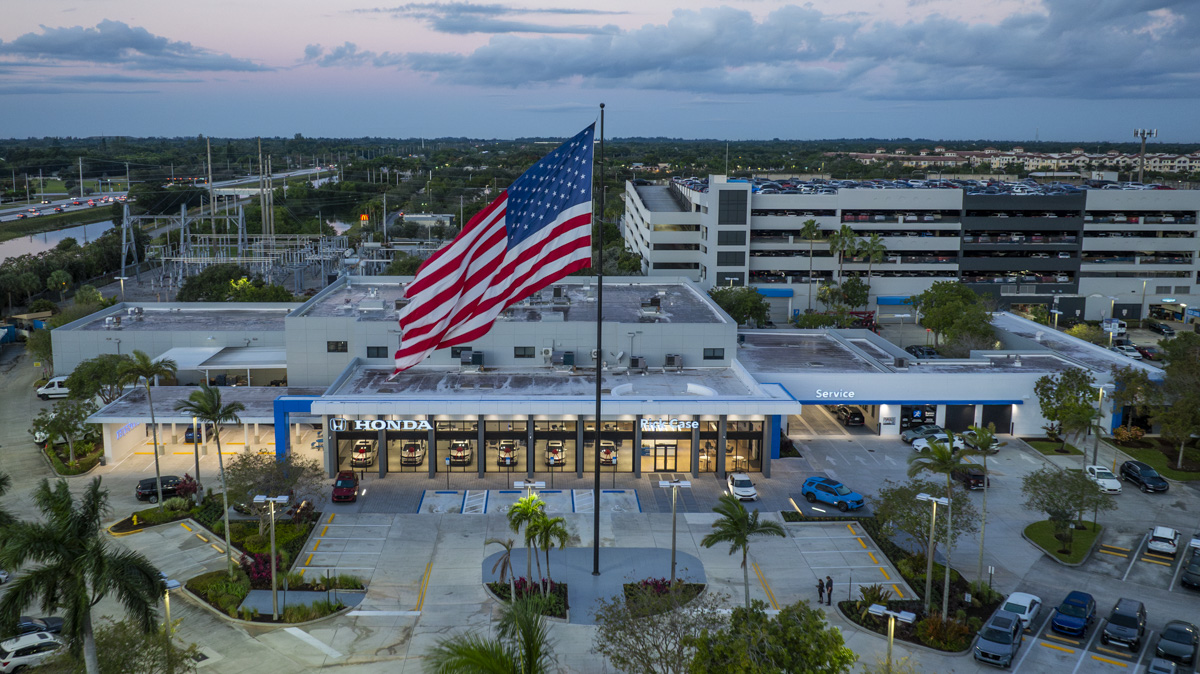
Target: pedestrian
x,y
828,591
820,591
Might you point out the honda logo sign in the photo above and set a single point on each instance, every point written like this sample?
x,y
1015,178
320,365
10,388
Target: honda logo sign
x,y
339,424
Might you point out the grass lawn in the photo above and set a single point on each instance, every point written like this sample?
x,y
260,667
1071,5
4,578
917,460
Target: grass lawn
x,y
1164,464
1042,534
1051,448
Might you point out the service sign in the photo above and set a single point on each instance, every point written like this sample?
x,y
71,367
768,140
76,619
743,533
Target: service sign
x,y
338,424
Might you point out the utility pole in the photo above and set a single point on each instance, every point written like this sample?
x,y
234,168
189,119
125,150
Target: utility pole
x,y
80,177
212,204
41,185
1143,134
262,198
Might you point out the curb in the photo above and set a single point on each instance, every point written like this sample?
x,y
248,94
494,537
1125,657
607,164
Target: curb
x,y
50,465
250,623
1086,557
121,534
907,644
492,595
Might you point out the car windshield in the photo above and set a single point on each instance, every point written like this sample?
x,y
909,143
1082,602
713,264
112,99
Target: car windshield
x,y
1105,475
742,483
344,484
995,636
1149,472
842,490
1122,620
1072,610
1013,607
1177,634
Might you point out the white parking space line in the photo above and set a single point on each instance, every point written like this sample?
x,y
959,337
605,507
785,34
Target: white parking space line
x,y
382,613
312,641
1137,553
1029,649
1086,648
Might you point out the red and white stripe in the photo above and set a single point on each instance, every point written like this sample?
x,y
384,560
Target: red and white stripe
x,y
462,288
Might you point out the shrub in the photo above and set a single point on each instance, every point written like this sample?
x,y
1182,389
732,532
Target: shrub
x,y
946,635
177,504
258,569
318,609
345,581
187,487
1127,434
868,595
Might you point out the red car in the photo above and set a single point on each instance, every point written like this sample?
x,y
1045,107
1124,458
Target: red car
x,y
345,487
1149,352
58,209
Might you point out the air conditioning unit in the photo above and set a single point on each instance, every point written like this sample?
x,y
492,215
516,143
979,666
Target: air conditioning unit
x,y
595,354
637,363
902,362
547,352
675,360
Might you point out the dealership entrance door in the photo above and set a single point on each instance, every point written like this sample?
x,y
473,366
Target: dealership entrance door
x,y
664,455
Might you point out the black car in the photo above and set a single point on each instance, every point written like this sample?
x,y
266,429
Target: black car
x,y
1143,476
1161,328
972,477
850,416
1191,566
1178,642
29,624
147,489
1126,624
922,351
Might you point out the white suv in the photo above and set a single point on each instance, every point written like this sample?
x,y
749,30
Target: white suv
x,y
27,651
1164,540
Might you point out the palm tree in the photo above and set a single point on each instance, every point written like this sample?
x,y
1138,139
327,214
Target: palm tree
x,y
205,404
524,512
736,526
985,443
70,568
6,517
842,243
140,368
522,645
810,232
504,563
941,459
873,249
549,532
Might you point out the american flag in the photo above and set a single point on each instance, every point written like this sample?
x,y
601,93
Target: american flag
x,y
536,232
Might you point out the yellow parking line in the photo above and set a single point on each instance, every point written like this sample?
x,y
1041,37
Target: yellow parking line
x,y
872,554
325,530
1056,647
185,526
145,453
1112,652
766,587
1158,555
201,538
181,452
424,585
850,528
1115,554
860,542
885,573
1114,547
309,560
302,572
1064,639
331,516
1111,662
214,547
1155,561
899,594
316,545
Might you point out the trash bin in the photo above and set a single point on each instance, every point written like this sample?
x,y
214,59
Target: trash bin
x,y
102,461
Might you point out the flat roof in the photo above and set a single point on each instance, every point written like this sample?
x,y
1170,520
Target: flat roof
x,y
182,316
791,352
373,298
1097,358
658,199
259,402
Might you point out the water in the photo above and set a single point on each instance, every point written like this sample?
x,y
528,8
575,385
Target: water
x,y
39,243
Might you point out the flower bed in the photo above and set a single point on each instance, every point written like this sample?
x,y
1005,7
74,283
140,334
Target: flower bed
x,y
1051,447
557,594
644,591
154,515
86,458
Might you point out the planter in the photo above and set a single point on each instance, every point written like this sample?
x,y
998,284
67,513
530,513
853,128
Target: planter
x,y
564,619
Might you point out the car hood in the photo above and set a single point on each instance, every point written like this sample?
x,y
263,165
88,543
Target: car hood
x,y
1108,483
993,647
343,491
1120,631
1155,481
743,491
1068,621
1174,648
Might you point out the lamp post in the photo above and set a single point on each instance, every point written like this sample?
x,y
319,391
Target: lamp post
x,y
935,500
122,279
1099,417
271,501
1056,313
906,617
674,486
529,486
1143,134
196,452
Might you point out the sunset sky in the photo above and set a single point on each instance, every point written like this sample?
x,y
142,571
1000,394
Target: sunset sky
x,y
1072,70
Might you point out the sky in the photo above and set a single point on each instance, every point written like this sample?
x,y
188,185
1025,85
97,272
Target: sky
x,y
1020,70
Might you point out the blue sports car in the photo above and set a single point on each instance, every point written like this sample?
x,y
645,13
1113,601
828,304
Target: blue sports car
x,y
828,490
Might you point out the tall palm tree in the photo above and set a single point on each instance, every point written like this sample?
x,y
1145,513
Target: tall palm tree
x,y
522,645
139,368
985,443
736,526
524,512
810,232
843,243
205,404
504,563
6,517
549,532
941,459
873,249
70,568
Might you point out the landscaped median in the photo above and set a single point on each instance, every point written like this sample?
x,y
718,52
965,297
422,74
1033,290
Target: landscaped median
x,y
1066,545
1052,447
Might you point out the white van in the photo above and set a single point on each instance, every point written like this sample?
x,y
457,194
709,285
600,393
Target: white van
x,y
55,388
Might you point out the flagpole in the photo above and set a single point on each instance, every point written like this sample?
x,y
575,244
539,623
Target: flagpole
x,y
599,361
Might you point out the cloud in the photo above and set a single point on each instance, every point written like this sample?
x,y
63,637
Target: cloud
x,y
462,18
114,43
348,55
1083,49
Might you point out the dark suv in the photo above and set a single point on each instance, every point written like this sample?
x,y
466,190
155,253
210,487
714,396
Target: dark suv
x,y
1161,328
146,489
850,416
1143,476
1126,624
972,476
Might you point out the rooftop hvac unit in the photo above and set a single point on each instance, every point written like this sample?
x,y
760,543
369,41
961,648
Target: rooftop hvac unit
x,y
637,363
675,360
902,362
108,323
401,303
558,292
547,352
116,322
472,360
563,359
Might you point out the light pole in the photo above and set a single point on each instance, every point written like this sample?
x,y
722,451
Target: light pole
x,y
1099,418
170,585
271,501
529,486
935,500
1142,308
196,452
1056,313
674,486
906,617
1143,134
122,279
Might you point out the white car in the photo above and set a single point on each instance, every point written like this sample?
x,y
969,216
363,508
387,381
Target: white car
x,y
26,651
1025,605
922,444
1128,351
741,487
1164,540
1104,479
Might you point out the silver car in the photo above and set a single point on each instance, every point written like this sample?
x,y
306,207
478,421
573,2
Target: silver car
x,y
1000,639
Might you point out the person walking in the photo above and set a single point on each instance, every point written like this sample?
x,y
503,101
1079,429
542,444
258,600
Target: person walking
x,y
828,590
820,591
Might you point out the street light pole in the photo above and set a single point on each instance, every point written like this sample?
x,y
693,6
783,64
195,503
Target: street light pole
x,y
674,486
935,500
271,501
879,611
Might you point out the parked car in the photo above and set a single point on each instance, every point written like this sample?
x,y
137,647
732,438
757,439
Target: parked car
x,y
1149,352
970,438
1163,540
922,444
460,452
362,454
1161,328
919,351
1128,351
849,415
608,453
190,433
556,453
1190,577
56,387
345,487
828,490
28,625
999,639
1075,614
1161,666
147,489
1143,476
1126,624
741,487
920,431
506,452
26,651
1104,479
1026,606
412,454
1177,642
972,476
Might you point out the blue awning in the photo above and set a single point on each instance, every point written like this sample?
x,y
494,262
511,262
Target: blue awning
x,y
893,300
774,292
